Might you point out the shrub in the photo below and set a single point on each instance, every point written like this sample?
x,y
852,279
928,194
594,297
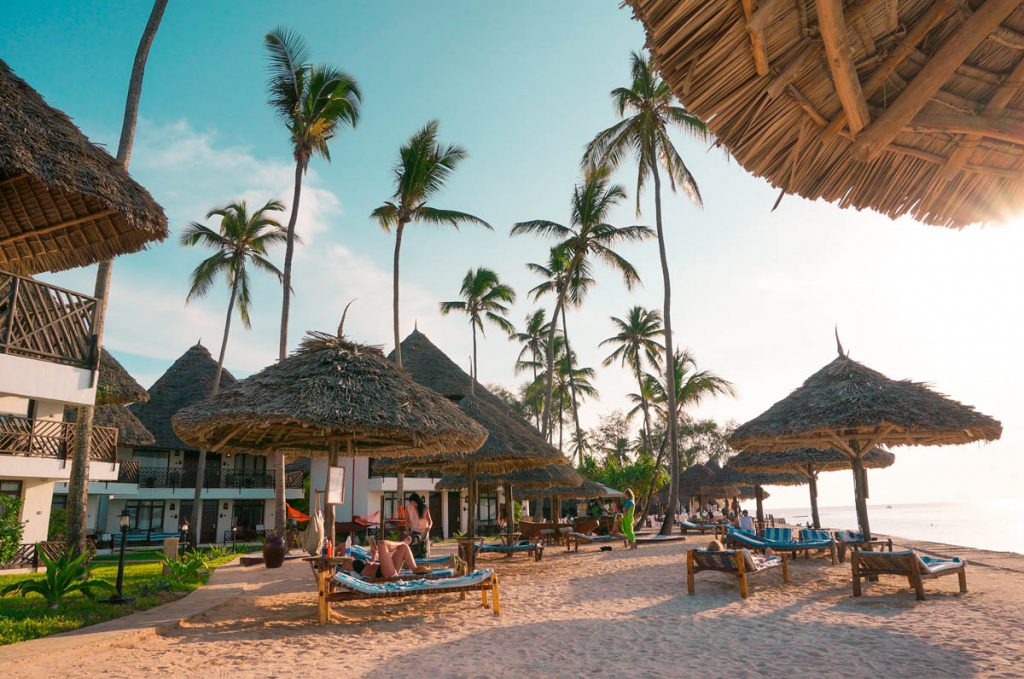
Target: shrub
x,y
64,576
185,568
57,532
12,528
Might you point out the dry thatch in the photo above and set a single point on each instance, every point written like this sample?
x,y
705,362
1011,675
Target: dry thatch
x,y
805,461
846,401
538,477
329,389
115,385
902,106
64,202
512,442
730,476
694,479
131,433
188,380
584,491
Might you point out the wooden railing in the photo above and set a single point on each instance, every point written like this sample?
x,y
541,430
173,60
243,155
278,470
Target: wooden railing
x,y
46,322
46,438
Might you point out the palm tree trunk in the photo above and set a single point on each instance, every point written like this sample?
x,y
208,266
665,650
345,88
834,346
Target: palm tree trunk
x,y
550,362
572,390
400,479
78,481
650,448
197,503
670,366
472,378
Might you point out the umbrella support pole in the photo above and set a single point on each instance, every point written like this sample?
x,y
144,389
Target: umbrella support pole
x,y
759,494
510,509
329,521
860,495
812,481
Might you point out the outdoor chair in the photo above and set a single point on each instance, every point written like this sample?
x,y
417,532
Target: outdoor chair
x,y
534,549
702,528
574,540
851,539
743,539
344,587
739,562
658,539
907,564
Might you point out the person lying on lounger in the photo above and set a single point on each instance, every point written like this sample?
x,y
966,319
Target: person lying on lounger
x,y
388,558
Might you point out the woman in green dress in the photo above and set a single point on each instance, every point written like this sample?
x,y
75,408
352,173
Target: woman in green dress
x,y
628,509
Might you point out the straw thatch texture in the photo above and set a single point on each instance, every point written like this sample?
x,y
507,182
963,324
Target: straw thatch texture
x,y
538,477
694,479
799,460
131,433
846,401
64,202
188,380
329,388
585,491
730,476
935,85
114,385
512,442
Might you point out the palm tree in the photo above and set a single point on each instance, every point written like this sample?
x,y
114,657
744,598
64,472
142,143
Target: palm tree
x,y
573,385
648,113
635,344
240,240
423,168
78,481
484,296
531,354
314,102
588,236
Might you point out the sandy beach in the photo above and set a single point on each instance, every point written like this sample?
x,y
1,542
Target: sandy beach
x,y
595,614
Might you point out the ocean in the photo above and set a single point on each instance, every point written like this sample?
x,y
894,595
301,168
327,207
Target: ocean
x,y
988,524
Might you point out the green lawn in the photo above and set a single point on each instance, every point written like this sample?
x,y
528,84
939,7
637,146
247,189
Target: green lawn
x,y
29,617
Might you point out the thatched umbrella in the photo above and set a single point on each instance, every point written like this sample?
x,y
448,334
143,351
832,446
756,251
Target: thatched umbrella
x,y
584,491
730,477
807,462
694,480
512,442
330,391
64,202
114,384
548,476
905,106
131,433
849,407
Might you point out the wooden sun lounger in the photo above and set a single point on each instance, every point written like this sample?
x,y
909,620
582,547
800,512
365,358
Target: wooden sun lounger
x,y
849,539
534,549
739,562
824,543
659,539
574,540
907,564
702,528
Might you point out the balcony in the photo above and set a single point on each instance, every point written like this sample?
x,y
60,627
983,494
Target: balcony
x,y
185,477
46,323
56,440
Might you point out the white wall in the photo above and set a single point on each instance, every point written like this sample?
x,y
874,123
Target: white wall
x,y
43,380
357,499
36,496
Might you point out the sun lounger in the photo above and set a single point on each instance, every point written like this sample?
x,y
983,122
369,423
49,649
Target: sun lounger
x,y
744,539
905,563
658,539
739,562
574,540
536,550
779,534
851,539
702,528
344,587
361,552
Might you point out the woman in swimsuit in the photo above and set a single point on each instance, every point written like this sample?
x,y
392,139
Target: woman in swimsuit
x,y
388,559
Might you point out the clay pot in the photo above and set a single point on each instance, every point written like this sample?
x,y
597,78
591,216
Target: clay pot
x,y
274,551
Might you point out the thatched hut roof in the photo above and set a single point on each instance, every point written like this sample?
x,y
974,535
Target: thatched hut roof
x,y
64,202
848,401
114,384
730,476
512,442
800,460
694,479
585,491
329,388
537,477
131,433
905,107
188,380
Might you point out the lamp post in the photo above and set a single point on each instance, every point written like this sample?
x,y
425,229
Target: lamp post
x,y
234,533
124,520
183,529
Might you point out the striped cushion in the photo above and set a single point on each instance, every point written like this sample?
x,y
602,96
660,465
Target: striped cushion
x,y
779,534
361,552
726,560
506,548
407,586
815,535
849,536
896,561
747,539
434,573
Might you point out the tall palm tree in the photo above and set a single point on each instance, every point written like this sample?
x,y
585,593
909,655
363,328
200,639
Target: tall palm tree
x,y
239,241
484,297
423,168
314,102
588,236
636,344
78,481
531,354
572,386
648,112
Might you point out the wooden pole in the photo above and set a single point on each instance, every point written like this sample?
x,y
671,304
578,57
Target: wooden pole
x,y
332,461
832,26
510,509
860,496
812,482
471,491
759,494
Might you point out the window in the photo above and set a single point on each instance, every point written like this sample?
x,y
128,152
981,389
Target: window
x,y
10,489
391,505
59,502
145,514
250,463
487,508
248,514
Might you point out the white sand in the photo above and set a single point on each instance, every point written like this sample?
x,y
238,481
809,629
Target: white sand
x,y
616,613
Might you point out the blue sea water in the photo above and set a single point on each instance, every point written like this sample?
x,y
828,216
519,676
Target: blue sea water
x,y
989,524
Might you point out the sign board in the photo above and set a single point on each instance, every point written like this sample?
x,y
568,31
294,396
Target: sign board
x,y
335,485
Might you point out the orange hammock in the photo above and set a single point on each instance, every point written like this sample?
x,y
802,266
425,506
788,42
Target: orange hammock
x,y
296,515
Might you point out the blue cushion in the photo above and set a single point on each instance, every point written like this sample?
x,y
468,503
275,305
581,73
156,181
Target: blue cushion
x,y
410,586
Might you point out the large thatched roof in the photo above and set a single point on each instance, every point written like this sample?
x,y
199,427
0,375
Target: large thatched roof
x,y
730,476
131,433
694,479
64,202
537,477
805,460
329,388
114,385
187,381
512,442
903,106
848,401
586,490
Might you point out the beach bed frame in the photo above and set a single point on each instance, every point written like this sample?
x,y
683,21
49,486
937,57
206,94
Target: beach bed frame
x,y
738,562
702,528
908,564
850,539
574,540
534,549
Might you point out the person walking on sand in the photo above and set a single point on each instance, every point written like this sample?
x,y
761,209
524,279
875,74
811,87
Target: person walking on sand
x,y
628,507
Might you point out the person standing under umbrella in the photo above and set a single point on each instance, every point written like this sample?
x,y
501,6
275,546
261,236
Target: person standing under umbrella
x,y
420,523
628,508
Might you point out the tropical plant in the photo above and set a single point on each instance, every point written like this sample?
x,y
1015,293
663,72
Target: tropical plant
x,y
648,112
484,297
64,575
572,385
588,236
12,528
239,241
188,566
531,352
424,167
314,102
57,530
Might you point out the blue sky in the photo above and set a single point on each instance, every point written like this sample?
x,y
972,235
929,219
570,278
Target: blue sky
x,y
523,86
